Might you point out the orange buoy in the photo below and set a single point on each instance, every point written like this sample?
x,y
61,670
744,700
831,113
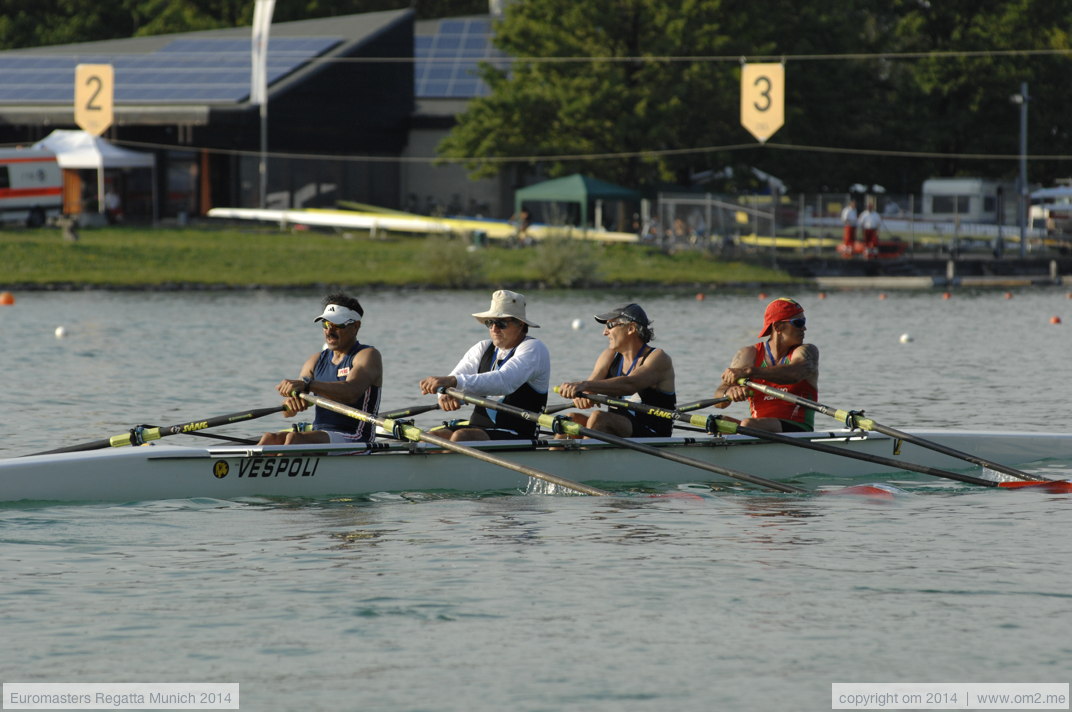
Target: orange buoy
x,y
762,295
1055,320
1008,295
822,295
700,296
7,299
881,295
946,295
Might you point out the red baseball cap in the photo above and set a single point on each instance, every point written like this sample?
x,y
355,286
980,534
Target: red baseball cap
x,y
781,309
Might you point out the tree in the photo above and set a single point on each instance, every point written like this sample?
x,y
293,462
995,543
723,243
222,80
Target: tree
x,y
554,100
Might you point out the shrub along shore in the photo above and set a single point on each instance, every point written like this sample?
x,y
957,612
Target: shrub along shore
x,y
211,257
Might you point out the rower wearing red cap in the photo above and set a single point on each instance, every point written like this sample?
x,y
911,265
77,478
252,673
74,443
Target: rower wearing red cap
x,y
783,361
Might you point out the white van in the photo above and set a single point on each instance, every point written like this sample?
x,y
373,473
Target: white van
x,y
31,186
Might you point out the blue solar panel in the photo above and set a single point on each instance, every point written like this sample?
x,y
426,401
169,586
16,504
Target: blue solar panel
x,y
184,70
446,63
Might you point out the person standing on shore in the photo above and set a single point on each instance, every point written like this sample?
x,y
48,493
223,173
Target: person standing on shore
x,y
345,371
784,362
510,363
848,220
870,222
629,365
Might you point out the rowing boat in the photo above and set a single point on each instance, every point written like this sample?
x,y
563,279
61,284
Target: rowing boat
x,y
164,471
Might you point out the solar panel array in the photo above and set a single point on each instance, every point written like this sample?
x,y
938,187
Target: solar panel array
x,y
446,62
183,71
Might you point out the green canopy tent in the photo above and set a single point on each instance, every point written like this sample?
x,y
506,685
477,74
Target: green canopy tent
x,y
573,189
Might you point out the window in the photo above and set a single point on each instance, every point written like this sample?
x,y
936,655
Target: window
x,y
955,204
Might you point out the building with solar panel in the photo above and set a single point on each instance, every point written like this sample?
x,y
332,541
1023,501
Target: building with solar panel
x,y
355,107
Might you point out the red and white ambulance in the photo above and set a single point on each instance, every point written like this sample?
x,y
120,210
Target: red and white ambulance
x,y
31,186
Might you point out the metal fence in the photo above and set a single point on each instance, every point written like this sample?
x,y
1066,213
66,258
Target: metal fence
x,y
812,225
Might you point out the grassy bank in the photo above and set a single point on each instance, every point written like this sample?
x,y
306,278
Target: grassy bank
x,y
230,257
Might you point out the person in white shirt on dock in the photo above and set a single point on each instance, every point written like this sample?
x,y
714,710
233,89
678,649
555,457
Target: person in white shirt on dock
x,y
510,363
870,222
848,219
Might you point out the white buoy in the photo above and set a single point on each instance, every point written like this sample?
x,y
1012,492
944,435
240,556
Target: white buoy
x,y
576,324
906,338
61,332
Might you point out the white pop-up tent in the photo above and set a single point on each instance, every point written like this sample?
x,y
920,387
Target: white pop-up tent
x,y
78,150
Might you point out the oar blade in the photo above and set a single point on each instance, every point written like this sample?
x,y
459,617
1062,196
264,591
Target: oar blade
x,y
1051,486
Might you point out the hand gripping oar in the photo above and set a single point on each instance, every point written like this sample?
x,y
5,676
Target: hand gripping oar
x,y
720,424
405,431
855,419
562,424
139,435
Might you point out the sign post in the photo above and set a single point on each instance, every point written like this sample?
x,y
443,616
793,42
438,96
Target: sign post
x,y
94,95
762,99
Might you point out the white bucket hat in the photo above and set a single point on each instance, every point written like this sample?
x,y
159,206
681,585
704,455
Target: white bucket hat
x,y
504,304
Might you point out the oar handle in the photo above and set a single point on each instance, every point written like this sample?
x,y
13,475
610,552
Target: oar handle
x,y
561,424
411,432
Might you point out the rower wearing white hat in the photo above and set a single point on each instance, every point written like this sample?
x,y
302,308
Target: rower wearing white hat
x,y
510,363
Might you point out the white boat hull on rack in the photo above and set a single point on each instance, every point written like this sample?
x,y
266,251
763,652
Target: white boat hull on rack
x,y
165,471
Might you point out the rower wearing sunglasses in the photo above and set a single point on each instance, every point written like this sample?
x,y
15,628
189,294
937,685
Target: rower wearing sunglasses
x,y
345,371
629,366
509,363
783,361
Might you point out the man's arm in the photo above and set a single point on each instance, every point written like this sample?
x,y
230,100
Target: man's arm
x,y
531,363
742,361
803,366
657,371
366,370
569,389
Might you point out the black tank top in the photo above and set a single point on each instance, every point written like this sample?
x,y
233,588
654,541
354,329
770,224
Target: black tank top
x,y
653,424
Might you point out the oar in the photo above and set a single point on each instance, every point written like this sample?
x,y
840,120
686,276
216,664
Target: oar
x,y
410,411
405,431
561,424
139,435
720,424
704,403
855,419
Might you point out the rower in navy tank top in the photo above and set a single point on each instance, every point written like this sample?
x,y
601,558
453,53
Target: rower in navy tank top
x,y
345,371
649,376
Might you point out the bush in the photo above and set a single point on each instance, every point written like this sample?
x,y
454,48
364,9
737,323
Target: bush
x,y
562,261
452,263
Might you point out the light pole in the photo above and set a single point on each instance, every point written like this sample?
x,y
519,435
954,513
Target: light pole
x,y
1022,98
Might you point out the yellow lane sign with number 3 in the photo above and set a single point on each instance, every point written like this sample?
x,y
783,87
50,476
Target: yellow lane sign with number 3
x,y
762,99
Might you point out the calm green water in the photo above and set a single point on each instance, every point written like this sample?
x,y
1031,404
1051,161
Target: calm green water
x,y
729,602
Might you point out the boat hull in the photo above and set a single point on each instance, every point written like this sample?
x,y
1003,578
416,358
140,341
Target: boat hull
x,y
164,471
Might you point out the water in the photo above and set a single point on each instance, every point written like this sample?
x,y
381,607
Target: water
x,y
732,602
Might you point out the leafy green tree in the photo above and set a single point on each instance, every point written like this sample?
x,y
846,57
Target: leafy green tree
x,y
964,102
631,99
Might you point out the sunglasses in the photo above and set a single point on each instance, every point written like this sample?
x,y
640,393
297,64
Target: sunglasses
x,y
798,322
615,324
498,323
331,325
